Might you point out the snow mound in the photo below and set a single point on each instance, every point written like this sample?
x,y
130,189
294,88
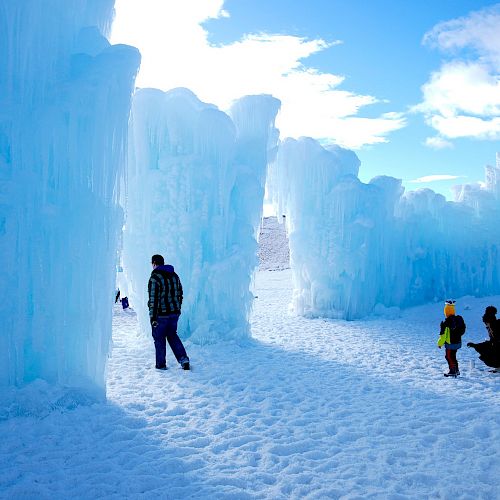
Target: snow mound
x,y
274,250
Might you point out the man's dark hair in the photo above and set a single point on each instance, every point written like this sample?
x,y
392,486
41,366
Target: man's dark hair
x,y
158,260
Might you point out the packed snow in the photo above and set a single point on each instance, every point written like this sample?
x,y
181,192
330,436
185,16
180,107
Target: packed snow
x,y
274,249
310,409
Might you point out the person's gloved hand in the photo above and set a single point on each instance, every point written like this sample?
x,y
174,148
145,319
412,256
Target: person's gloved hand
x,y
154,323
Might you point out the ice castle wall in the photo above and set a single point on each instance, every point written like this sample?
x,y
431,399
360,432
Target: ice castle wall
x,y
361,248
64,108
196,181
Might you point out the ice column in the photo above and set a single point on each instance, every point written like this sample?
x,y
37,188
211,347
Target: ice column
x,y
64,108
196,181
361,248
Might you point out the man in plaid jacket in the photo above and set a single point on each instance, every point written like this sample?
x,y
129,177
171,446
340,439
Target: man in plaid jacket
x,y
165,301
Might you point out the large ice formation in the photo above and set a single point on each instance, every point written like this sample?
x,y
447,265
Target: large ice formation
x,y
64,108
361,248
196,178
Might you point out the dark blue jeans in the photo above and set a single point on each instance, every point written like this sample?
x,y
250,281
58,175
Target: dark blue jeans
x,y
167,330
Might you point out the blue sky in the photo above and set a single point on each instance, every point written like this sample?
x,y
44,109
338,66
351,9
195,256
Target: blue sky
x,y
412,87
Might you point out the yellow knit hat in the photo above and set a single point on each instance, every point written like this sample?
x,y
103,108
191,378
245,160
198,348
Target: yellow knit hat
x,y
449,308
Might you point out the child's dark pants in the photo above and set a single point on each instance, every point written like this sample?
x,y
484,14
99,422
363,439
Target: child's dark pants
x,y
451,358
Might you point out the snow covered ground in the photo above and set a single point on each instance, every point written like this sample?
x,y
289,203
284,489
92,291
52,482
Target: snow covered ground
x,y
309,409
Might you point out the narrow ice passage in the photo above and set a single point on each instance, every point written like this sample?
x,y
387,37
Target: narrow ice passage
x,y
308,409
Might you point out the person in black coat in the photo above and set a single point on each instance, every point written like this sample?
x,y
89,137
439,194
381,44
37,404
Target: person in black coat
x,y
489,351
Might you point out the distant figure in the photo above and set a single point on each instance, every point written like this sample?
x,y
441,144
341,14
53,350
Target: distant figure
x,y
117,296
450,335
489,351
165,301
124,302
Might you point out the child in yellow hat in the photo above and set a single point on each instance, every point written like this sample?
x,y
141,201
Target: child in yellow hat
x,y
450,335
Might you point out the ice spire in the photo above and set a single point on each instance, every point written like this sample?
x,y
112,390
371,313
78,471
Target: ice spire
x,y
64,104
196,187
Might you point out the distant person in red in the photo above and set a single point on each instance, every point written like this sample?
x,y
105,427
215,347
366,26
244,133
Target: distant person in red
x,y
165,301
489,351
450,335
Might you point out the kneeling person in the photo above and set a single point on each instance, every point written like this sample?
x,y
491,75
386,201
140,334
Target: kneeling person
x,y
489,351
165,301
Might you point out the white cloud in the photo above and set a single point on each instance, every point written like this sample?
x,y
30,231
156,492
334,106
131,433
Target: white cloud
x,y
460,126
438,143
478,31
462,99
176,53
435,178
461,87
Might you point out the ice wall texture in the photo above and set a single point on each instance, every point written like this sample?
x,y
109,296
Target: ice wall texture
x,y
64,107
196,179
362,248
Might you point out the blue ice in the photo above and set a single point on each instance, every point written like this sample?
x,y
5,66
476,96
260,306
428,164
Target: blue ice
x,y
64,107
